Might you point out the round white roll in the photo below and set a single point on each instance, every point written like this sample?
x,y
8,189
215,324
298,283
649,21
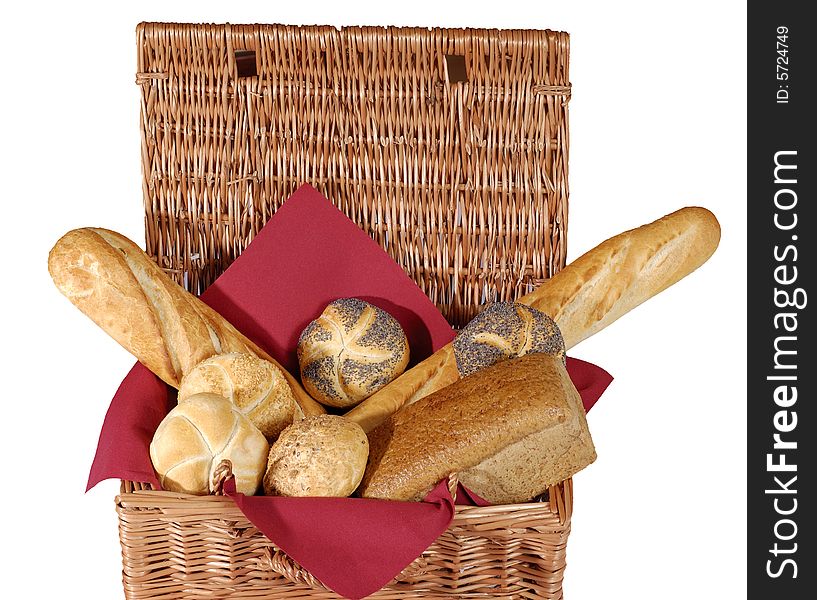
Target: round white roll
x,y
319,456
197,435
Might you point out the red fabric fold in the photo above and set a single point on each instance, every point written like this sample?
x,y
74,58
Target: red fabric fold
x,y
307,255
137,408
354,546
589,379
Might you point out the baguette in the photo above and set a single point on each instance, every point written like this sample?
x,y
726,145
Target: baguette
x,y
510,431
169,330
582,298
624,271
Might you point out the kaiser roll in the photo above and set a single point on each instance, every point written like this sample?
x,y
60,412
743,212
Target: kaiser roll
x,y
350,351
197,435
506,330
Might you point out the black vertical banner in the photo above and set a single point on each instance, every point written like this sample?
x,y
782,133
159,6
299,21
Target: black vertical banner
x,y
782,436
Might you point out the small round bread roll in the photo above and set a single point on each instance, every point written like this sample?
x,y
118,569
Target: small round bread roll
x,y
505,330
255,386
197,435
324,455
349,352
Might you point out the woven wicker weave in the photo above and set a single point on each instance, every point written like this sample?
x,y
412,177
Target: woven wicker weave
x,y
464,184
179,546
449,147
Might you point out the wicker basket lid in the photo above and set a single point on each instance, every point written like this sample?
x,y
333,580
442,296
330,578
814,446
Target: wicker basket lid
x,y
448,146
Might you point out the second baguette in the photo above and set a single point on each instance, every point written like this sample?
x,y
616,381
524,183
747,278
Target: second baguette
x,y
624,271
583,298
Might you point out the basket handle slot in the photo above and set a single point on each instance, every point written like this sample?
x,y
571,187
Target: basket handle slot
x,y
245,63
455,68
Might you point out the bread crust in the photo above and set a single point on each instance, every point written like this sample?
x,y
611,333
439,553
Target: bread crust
x,y
324,455
426,377
624,271
169,330
96,278
583,298
256,387
525,469
503,330
196,436
350,351
466,424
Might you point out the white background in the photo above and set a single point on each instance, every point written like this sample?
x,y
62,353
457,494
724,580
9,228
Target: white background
x,y
657,122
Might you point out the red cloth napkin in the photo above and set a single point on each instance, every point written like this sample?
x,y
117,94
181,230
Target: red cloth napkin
x,y
353,545
307,255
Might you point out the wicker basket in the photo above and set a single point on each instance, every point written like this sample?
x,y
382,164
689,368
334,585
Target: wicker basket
x,y
449,147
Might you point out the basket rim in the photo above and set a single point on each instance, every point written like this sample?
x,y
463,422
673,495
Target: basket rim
x,y
564,489
369,28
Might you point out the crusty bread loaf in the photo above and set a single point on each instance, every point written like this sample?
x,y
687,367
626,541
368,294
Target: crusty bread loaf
x,y
196,436
502,330
582,298
624,271
350,351
167,329
255,386
323,455
487,427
